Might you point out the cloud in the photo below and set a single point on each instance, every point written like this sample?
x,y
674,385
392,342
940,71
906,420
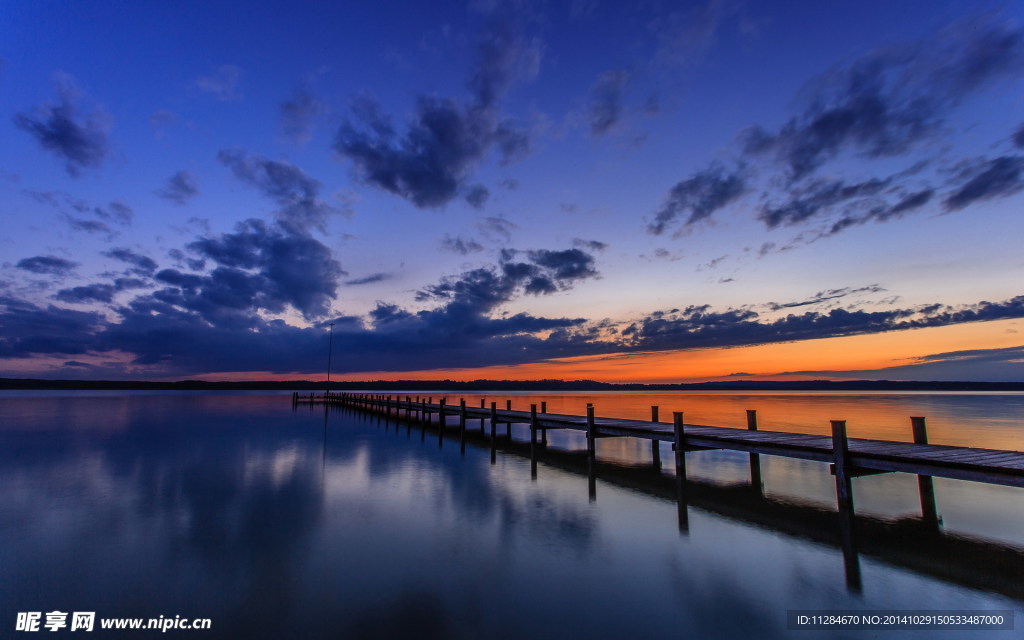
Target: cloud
x,y
699,196
290,187
604,108
223,84
180,188
80,140
818,198
990,365
684,36
497,228
698,326
117,212
445,139
884,103
47,265
261,267
477,196
141,265
26,329
987,180
370,279
298,113
87,293
460,245
91,226
592,245
1018,137
826,296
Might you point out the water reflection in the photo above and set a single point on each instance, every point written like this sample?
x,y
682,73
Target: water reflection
x,y
237,509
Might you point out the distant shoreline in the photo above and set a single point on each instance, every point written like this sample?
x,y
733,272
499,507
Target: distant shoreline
x,y
506,385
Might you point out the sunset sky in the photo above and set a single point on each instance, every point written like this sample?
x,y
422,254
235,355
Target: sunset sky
x,y
647,191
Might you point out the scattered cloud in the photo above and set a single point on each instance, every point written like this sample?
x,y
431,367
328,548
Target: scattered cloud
x,y
79,140
223,84
299,113
477,196
370,279
604,108
460,245
180,188
445,139
699,196
987,180
140,265
47,265
290,187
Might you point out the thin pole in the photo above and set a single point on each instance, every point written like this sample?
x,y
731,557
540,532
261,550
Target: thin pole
x,y
330,350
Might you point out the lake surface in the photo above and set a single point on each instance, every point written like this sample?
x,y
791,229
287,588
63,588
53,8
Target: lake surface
x,y
282,523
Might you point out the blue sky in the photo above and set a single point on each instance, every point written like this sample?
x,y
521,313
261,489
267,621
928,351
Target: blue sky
x,y
627,191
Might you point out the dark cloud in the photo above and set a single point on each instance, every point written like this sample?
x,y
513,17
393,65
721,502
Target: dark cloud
x,y
224,83
987,180
80,140
907,203
298,114
1018,137
87,293
445,139
460,245
818,198
26,329
370,279
47,265
117,212
593,245
698,326
180,188
91,226
271,267
604,108
477,196
140,264
497,228
826,296
290,187
699,196
887,101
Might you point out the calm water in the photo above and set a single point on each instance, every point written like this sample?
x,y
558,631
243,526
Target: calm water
x,y
277,523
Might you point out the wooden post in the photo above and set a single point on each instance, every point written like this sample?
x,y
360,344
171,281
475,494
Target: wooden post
x,y
844,498
755,459
924,483
655,444
508,405
841,457
591,435
441,422
533,442
482,406
543,406
679,429
533,425
591,453
462,425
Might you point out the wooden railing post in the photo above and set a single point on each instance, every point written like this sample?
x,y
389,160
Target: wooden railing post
x,y
925,487
755,459
655,444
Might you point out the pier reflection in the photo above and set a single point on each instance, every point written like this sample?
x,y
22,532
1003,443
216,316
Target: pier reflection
x,y
914,543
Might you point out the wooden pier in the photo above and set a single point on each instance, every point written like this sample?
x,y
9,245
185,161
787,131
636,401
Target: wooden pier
x,y
848,457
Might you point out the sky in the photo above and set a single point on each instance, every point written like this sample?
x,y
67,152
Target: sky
x,y
582,189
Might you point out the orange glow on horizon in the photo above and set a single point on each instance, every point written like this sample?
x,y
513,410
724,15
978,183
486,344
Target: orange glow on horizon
x,y
770,361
